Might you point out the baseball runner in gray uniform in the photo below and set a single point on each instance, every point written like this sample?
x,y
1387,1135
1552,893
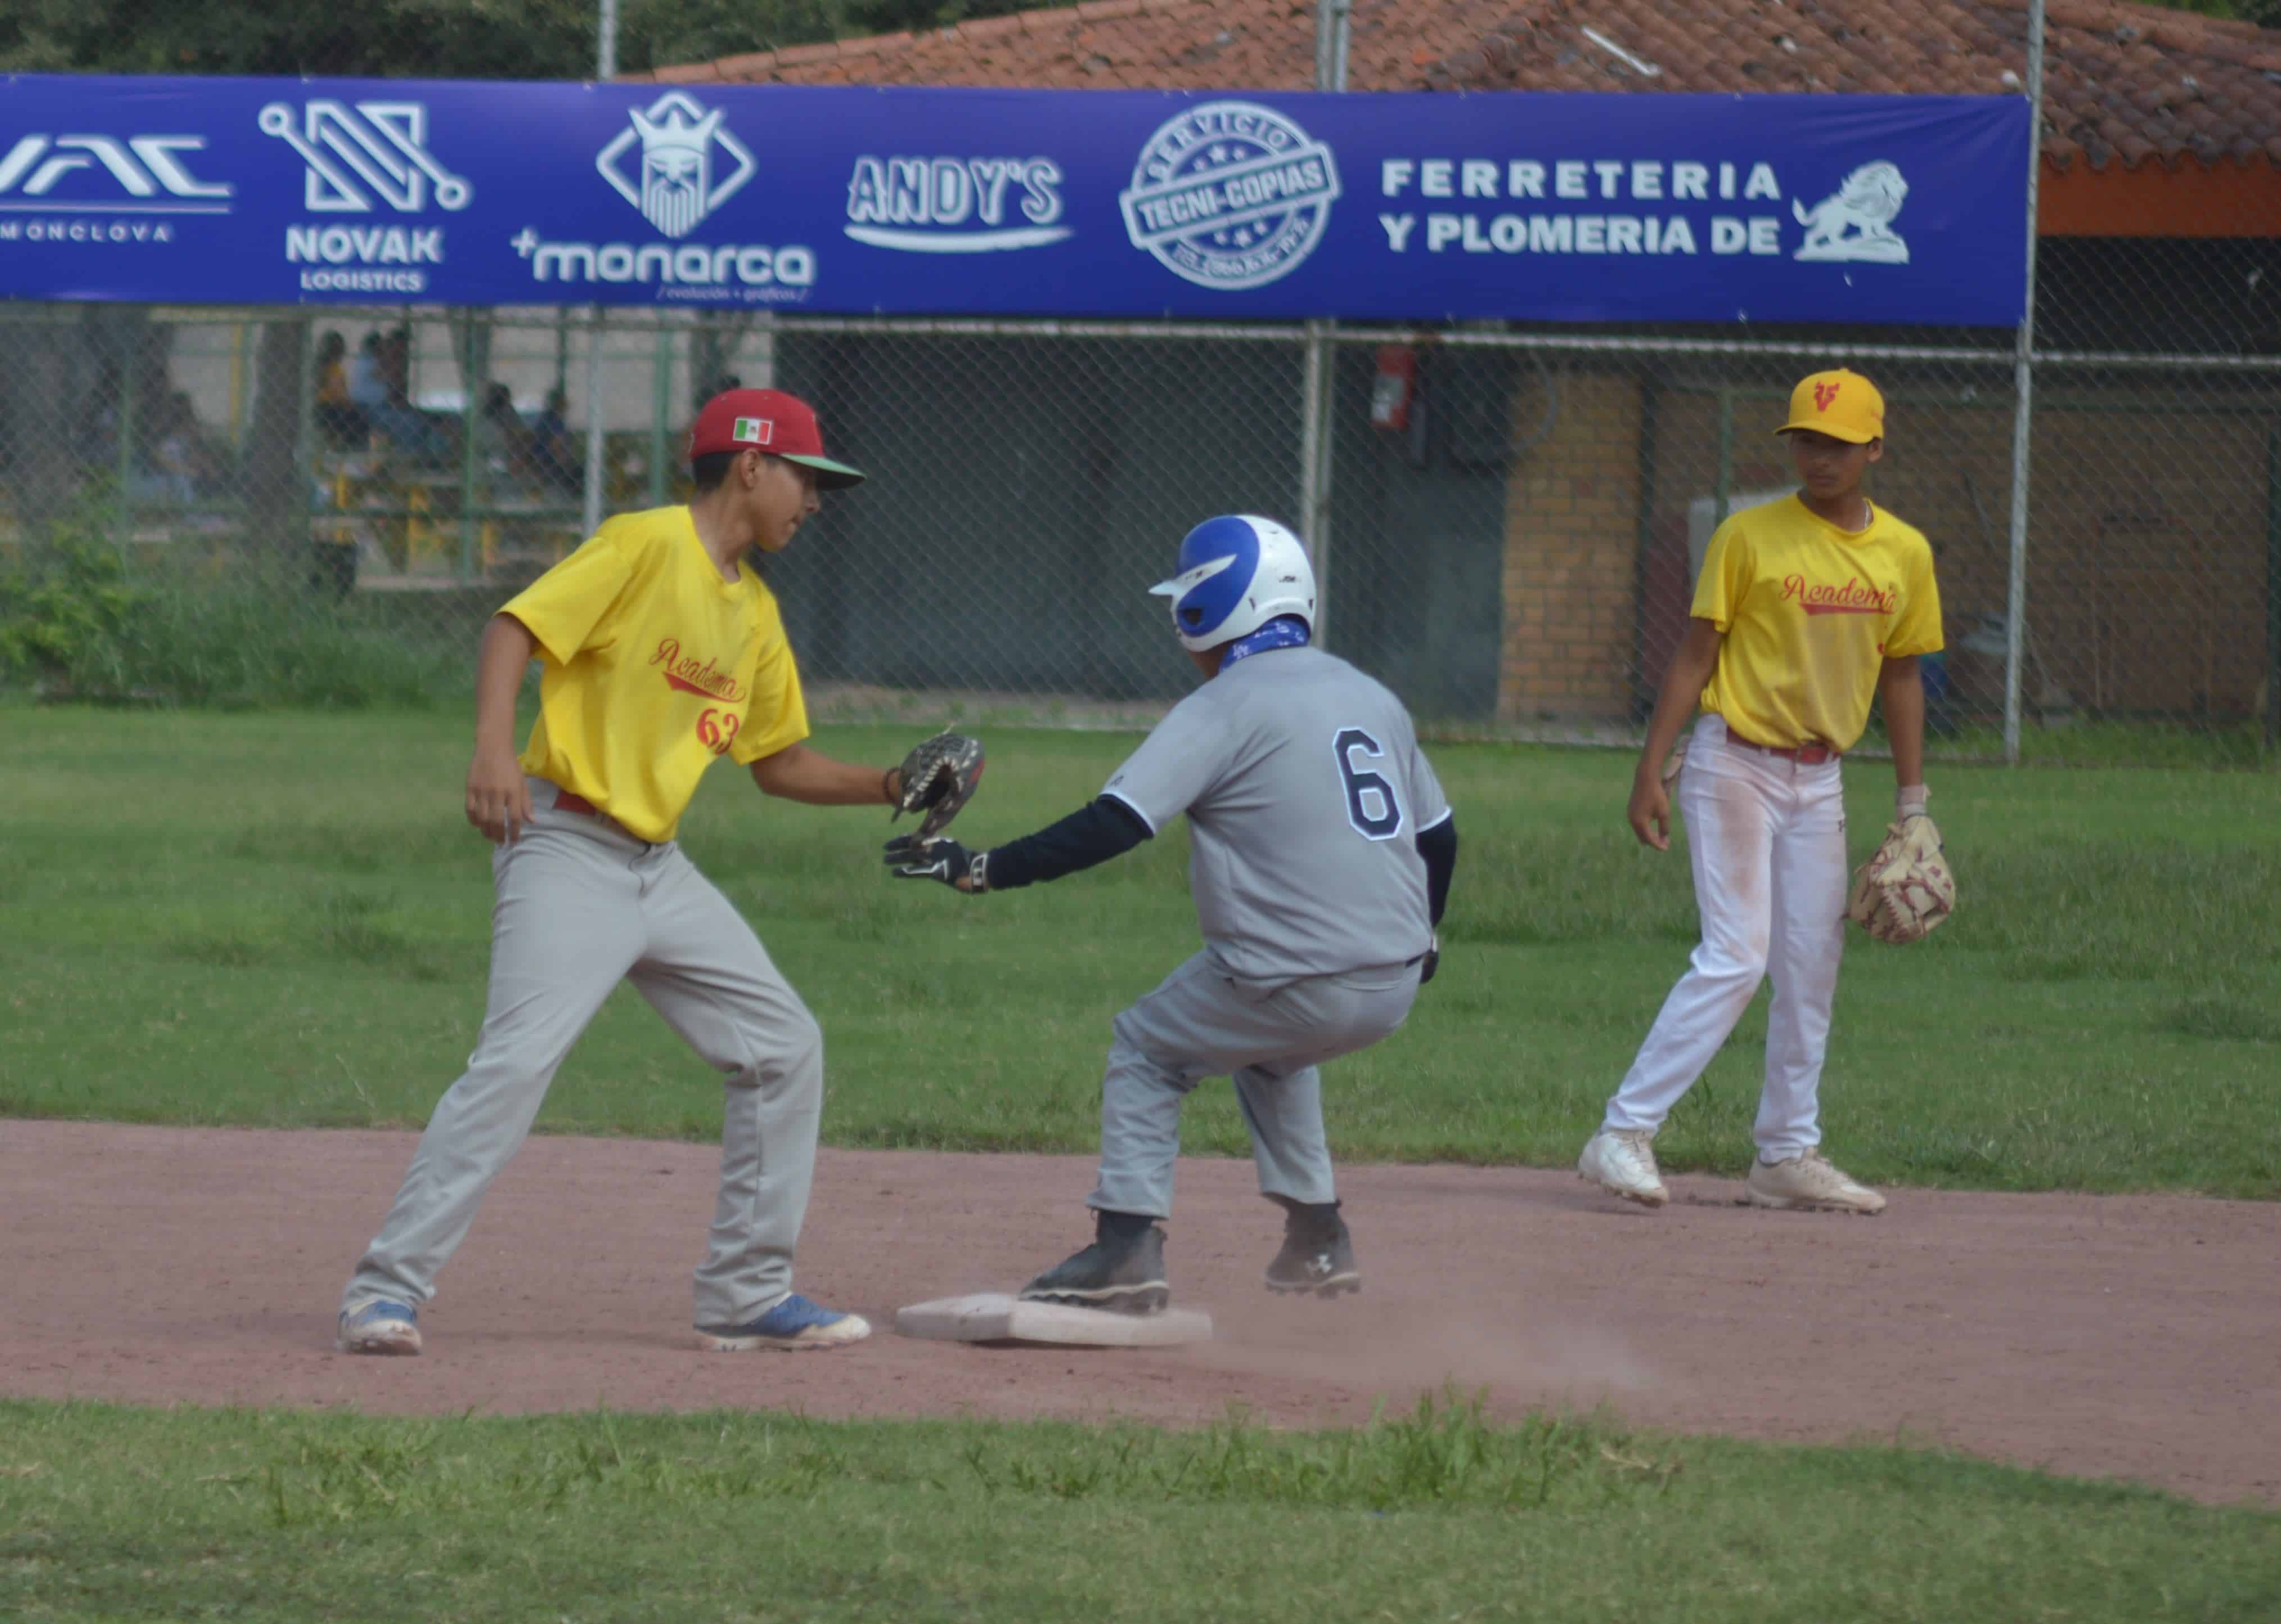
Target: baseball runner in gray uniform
x,y
1322,852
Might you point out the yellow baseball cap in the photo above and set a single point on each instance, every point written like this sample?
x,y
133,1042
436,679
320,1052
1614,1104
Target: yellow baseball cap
x,y
1842,405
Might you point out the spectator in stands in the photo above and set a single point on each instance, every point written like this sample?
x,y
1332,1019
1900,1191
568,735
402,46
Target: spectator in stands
x,y
98,437
365,381
337,417
180,450
381,390
396,363
174,465
503,440
557,457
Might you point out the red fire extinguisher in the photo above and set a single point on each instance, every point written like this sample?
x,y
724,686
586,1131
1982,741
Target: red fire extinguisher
x,y
1394,390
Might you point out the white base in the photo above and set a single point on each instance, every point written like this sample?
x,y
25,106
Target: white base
x,y
994,1316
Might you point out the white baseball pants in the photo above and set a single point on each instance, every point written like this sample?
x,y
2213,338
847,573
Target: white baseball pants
x,y
581,905
1766,836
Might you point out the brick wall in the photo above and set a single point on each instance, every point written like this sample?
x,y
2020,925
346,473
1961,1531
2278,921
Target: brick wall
x,y
2146,562
1571,525
2147,540
1945,448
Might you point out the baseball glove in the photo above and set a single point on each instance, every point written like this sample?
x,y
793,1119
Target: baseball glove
x,y
939,777
1905,889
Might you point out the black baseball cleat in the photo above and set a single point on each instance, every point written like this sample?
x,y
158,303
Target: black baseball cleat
x,y
1125,1276
1317,1256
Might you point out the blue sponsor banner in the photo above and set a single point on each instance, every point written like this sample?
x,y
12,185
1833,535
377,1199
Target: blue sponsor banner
x,y
1008,202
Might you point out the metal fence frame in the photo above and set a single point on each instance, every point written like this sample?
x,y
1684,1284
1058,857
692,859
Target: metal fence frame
x,y
670,343
1319,345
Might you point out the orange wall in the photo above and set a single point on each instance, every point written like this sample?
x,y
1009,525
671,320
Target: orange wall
x,y
2230,199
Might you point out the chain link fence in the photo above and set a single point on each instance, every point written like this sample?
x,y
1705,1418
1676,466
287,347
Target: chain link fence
x,y
1507,523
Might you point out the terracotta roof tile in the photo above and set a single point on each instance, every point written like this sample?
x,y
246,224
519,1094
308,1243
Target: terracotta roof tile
x,y
872,42
737,70
990,28
2123,82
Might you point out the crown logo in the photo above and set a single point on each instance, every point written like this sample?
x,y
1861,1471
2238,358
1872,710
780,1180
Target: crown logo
x,y
673,184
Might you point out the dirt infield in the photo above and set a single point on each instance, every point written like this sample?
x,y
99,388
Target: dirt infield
x,y
2131,1337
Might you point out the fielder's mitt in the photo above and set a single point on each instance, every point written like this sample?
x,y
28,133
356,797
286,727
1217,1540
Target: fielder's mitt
x,y
1905,889
938,779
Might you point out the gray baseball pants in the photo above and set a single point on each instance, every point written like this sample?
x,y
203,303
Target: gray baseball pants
x,y
1202,1023
581,905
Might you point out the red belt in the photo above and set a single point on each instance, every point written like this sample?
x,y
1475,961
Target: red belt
x,y
566,802
1805,756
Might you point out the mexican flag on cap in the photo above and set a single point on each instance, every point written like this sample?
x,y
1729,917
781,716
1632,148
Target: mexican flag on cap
x,y
767,420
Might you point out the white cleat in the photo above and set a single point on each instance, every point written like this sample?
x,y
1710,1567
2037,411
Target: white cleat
x,y
381,1326
1621,1161
1808,1183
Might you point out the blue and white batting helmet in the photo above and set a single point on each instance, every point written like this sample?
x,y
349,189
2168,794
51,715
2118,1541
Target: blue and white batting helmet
x,y
1237,573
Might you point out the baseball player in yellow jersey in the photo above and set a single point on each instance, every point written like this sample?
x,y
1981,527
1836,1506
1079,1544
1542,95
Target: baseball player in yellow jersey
x,y
662,652
1806,609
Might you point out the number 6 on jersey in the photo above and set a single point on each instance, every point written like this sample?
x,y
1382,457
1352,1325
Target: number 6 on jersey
x,y
1372,807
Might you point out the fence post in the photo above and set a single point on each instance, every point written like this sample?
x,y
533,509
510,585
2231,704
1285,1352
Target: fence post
x,y
1332,20
593,512
2016,600
1722,483
660,403
300,532
764,351
1644,686
130,364
2272,587
1316,429
1317,422
605,68
475,373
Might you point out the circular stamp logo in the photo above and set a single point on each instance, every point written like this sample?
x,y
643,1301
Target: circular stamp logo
x,y
1230,195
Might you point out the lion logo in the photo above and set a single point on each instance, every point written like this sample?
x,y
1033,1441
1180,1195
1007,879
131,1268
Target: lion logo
x,y
1856,222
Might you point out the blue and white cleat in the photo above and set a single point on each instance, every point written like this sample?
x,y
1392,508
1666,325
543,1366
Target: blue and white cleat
x,y
794,1324
380,1325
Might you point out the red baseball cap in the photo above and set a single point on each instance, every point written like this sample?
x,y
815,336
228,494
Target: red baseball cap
x,y
767,420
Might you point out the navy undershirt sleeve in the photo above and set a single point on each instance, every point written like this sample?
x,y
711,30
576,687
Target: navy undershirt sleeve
x,y
1438,846
1102,829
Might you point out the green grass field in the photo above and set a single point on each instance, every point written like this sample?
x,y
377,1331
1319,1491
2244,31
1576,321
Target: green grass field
x,y
109,1514
282,919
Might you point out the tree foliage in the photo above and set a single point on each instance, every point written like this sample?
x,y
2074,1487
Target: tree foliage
x,y
490,39
2264,13
454,39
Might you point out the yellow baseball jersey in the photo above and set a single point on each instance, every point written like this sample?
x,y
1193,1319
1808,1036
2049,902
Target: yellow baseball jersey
x,y
1810,613
654,668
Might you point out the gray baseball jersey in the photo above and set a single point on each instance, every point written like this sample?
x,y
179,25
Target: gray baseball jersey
x,y
1305,790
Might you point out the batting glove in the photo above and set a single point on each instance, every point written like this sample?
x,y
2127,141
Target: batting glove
x,y
909,856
